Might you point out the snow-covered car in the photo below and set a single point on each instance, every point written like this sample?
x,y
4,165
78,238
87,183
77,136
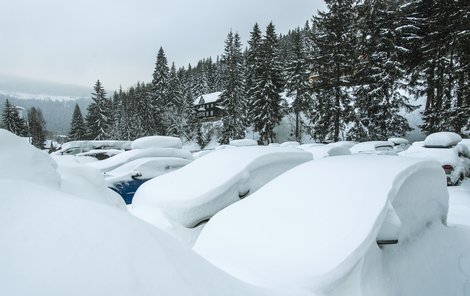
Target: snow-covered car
x,y
288,233
128,156
127,178
326,150
374,147
186,198
447,149
100,154
400,144
76,147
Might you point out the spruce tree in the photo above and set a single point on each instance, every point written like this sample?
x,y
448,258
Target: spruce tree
x,y
265,108
297,85
380,75
77,126
176,108
36,126
12,121
158,98
233,98
335,41
98,119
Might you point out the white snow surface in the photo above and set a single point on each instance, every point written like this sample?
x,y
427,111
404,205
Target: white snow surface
x,y
313,228
197,191
459,204
111,163
157,142
53,244
442,139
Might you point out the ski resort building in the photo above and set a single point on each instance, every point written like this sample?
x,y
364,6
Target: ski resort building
x,y
208,106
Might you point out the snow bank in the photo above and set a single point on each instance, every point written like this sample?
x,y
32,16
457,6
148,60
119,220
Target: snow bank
x,y
311,226
21,161
54,245
442,139
157,142
243,142
122,158
197,191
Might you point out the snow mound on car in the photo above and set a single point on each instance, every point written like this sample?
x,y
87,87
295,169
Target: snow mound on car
x,y
442,139
313,224
157,142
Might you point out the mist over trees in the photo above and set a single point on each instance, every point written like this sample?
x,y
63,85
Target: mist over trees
x,y
352,72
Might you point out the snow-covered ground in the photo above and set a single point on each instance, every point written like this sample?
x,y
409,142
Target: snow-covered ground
x,y
317,229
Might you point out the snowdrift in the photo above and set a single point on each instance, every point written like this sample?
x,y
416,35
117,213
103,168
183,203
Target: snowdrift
x,y
188,196
442,139
54,244
22,161
312,225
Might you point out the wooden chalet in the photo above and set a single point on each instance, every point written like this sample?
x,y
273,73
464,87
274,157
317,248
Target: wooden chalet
x,y
208,106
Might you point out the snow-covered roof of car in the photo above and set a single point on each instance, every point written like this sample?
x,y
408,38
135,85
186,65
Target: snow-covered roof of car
x,y
442,139
157,142
370,146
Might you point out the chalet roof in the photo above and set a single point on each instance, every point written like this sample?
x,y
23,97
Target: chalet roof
x,y
208,98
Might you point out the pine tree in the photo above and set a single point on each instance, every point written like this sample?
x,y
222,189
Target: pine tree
x,y
175,114
98,119
334,39
77,126
36,125
380,75
253,61
12,121
265,108
158,98
297,85
233,98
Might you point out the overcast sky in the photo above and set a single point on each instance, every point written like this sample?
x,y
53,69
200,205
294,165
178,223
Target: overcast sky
x,y
116,41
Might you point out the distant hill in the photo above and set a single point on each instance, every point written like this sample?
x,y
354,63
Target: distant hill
x,y
56,100
30,88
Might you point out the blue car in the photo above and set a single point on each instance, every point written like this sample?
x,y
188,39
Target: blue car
x,y
127,178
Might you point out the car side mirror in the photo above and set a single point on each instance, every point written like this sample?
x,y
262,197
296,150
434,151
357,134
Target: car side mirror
x,y
136,175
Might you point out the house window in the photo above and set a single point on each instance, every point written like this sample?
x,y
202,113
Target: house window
x,y
212,113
